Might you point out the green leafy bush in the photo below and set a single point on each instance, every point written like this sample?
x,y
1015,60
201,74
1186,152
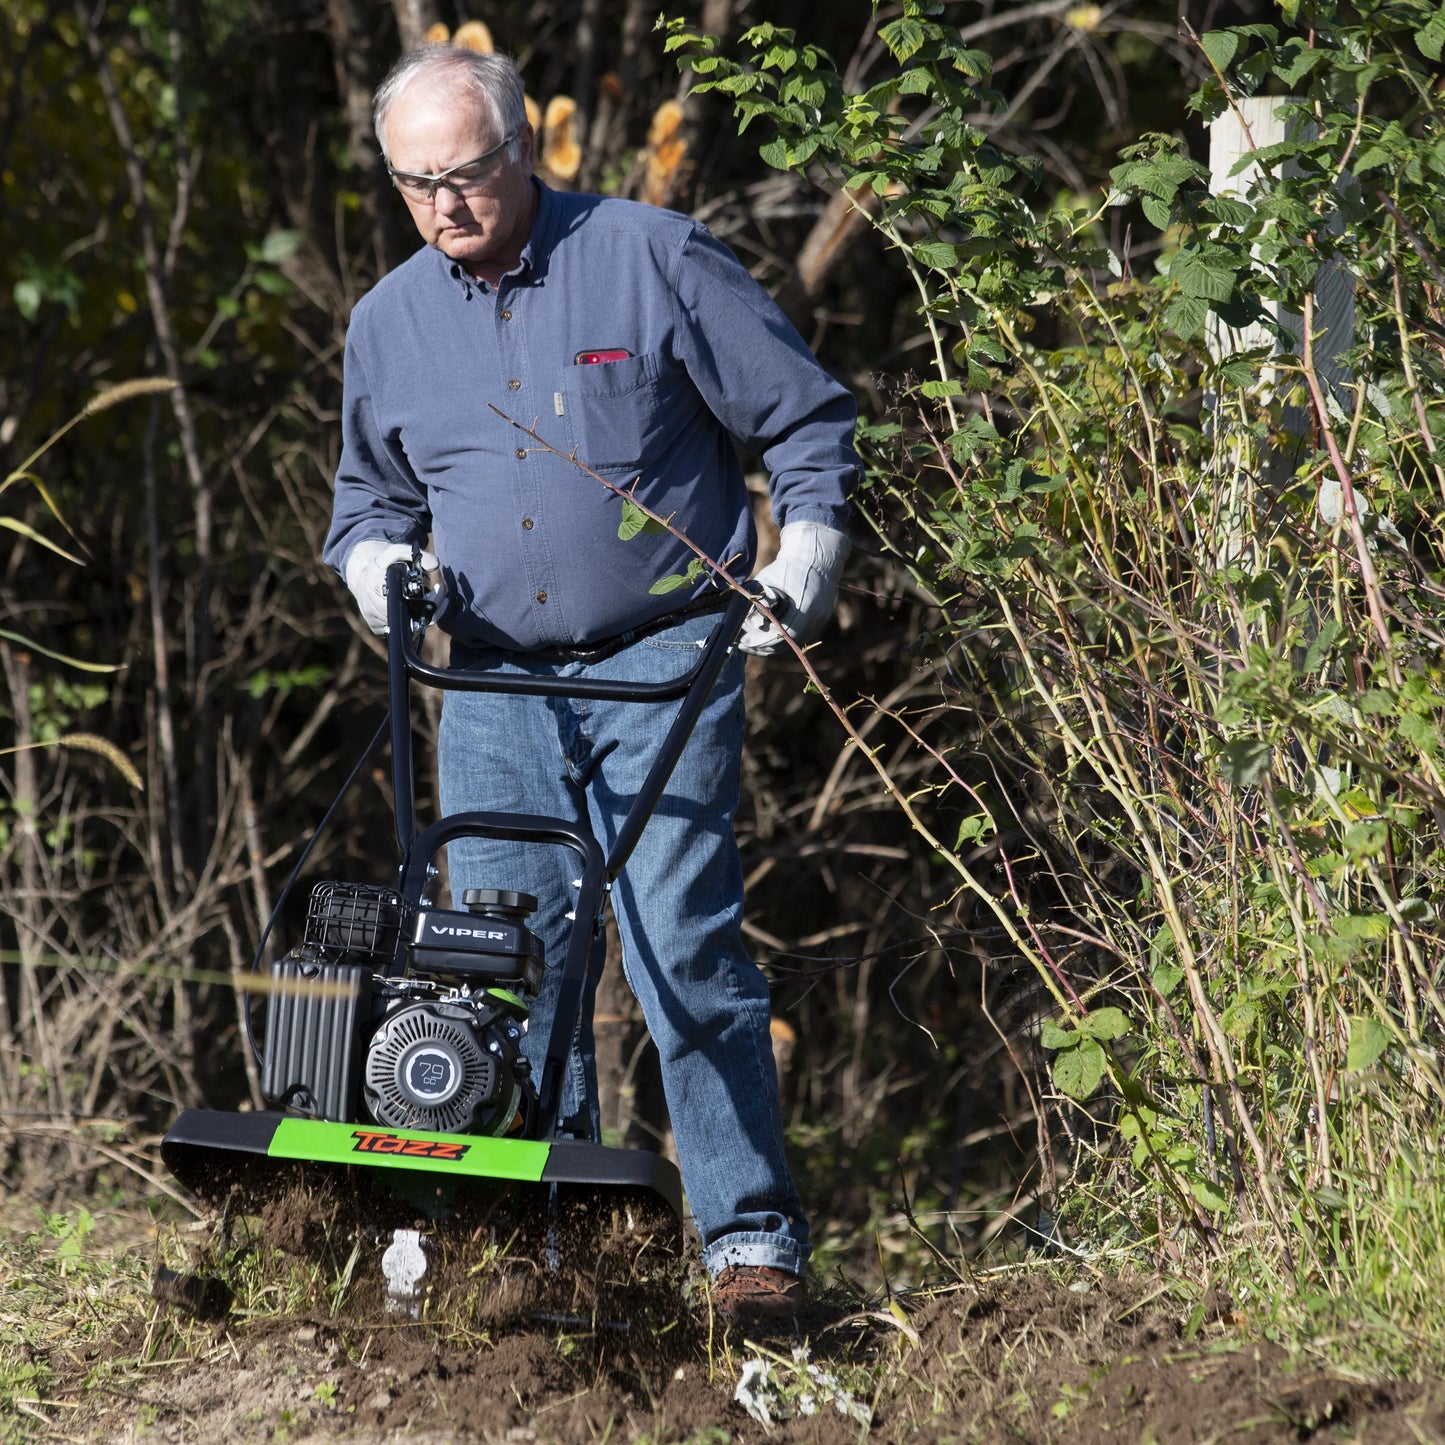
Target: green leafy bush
x,y
1190,628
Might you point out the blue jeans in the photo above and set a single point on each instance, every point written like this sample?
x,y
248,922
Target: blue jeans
x,y
678,904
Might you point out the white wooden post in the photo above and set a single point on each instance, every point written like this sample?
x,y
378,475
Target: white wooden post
x,y
1251,124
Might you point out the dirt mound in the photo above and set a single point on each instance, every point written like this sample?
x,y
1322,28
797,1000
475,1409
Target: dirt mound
x,y
252,1344
579,1259
1029,1358
1039,1358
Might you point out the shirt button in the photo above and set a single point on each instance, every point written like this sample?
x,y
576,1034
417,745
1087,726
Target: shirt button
x,y
506,315
526,524
521,453
541,597
514,385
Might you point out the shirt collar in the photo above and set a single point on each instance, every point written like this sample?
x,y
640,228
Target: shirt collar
x,y
533,262
539,244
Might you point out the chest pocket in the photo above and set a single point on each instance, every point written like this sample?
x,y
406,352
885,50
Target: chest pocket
x,y
617,410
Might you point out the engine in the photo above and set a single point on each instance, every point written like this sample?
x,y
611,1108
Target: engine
x,y
411,1017
451,1064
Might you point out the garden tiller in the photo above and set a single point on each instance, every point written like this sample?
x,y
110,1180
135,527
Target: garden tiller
x,y
392,1062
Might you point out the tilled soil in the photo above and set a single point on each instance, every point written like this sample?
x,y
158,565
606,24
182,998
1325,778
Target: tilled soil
x,y
1023,1356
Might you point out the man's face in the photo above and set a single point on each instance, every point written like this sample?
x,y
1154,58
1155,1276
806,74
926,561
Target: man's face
x,y
429,132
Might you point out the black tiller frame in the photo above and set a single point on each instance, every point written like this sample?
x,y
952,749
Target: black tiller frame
x,y
419,847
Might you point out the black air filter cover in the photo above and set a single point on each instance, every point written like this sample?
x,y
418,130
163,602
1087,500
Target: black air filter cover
x,y
359,920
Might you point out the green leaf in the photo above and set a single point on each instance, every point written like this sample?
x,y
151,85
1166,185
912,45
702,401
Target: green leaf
x,y
1431,40
1324,640
1209,1194
775,153
1238,371
1051,1036
1369,1039
976,64
1185,316
28,295
1209,102
1418,911
1239,1019
1077,1071
1229,210
808,90
664,585
1244,761
1421,730
988,348
1370,926
1300,59
905,37
973,829
802,153
1202,276
635,521
1221,46
280,246
1367,840
1157,211
937,254
1104,1023
1166,978
1266,157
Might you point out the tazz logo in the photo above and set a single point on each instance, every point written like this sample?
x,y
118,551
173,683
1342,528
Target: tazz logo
x,y
368,1142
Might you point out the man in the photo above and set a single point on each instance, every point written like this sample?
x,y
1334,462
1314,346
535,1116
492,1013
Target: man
x,y
629,336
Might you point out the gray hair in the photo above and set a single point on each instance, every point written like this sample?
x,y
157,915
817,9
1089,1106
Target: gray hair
x,y
462,74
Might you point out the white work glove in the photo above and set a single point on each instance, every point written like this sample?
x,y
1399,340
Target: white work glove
x,y
805,572
366,577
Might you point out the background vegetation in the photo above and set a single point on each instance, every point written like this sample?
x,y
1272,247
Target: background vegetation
x,y
1116,914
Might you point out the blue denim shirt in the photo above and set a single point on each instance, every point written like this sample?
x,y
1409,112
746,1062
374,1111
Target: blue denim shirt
x,y
529,543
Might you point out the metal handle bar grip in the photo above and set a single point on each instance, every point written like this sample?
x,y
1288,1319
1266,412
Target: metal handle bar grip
x,y
404,654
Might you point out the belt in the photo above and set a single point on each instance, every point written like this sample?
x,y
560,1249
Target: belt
x,y
713,601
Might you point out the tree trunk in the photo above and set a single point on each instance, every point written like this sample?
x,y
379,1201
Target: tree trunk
x,y
356,80
413,19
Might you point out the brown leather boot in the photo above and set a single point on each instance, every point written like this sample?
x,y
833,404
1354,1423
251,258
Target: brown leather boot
x,y
757,1294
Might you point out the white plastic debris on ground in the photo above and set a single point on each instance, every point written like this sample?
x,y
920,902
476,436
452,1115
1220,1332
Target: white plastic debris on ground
x,y
772,1390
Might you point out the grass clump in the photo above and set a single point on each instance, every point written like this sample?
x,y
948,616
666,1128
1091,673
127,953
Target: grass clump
x,y
64,1301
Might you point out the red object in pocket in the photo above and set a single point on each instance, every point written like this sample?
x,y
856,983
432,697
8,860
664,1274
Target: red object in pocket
x,y
596,358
